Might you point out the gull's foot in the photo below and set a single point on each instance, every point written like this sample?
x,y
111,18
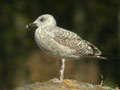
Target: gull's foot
x,y
56,80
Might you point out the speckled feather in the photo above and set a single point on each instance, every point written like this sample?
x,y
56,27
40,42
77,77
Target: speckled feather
x,y
73,41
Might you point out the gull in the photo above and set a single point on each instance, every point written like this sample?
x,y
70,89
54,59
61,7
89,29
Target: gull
x,y
61,42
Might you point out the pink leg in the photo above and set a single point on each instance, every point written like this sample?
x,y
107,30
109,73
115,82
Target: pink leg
x,y
61,73
62,67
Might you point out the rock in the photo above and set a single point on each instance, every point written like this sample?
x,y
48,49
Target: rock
x,y
65,85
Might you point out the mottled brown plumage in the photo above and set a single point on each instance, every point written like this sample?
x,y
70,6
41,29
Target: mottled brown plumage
x,y
61,42
73,41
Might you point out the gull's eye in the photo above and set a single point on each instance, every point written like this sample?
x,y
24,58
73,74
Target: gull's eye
x,y
42,19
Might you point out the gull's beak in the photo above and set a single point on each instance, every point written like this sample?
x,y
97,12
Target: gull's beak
x,y
31,25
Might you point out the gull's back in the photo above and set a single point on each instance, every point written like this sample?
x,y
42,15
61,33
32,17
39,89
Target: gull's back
x,y
78,46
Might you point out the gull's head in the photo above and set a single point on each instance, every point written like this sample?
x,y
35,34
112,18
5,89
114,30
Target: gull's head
x,y
45,20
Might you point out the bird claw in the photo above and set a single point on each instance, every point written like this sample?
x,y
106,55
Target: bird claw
x,y
56,80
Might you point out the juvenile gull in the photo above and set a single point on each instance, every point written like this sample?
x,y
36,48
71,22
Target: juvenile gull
x,y
61,42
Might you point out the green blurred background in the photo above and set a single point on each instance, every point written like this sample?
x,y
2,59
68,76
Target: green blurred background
x,y
22,62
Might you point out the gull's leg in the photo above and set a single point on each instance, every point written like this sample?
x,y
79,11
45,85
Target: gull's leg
x,y
62,67
61,73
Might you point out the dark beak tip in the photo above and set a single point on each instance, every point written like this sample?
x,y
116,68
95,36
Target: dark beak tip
x,y
31,25
27,26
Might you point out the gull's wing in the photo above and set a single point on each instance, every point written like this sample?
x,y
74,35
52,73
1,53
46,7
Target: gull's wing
x,y
73,41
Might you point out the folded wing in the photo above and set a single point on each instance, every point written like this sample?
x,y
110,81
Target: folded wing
x,y
73,41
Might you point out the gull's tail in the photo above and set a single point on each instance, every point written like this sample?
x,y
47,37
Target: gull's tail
x,y
99,57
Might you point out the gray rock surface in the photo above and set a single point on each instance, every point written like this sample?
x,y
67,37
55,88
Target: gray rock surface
x,y
65,85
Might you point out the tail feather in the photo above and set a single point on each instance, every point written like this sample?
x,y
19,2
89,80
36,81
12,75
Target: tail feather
x,y
98,57
96,53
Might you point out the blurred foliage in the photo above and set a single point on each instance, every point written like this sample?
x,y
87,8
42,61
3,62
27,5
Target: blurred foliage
x,y
97,21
